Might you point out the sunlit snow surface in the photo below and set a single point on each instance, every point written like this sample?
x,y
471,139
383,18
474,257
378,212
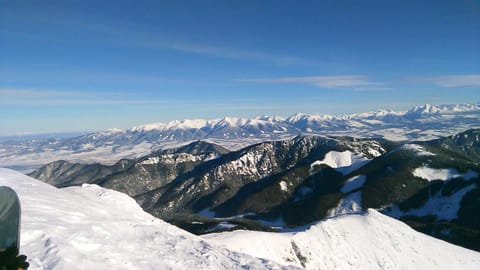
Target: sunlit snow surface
x,y
344,162
355,241
431,174
90,227
419,150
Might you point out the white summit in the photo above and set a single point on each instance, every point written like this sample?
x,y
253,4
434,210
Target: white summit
x,y
368,240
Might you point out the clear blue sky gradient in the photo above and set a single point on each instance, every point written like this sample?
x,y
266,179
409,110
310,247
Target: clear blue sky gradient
x,y
90,65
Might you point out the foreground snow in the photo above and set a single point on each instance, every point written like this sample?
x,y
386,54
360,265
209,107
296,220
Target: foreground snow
x,y
90,227
356,241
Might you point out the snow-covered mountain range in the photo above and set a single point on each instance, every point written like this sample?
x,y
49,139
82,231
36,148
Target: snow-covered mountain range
x,y
89,227
203,187
419,123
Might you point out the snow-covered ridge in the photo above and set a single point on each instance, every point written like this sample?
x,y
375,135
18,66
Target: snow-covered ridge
x,y
423,110
207,124
443,109
355,241
176,124
90,227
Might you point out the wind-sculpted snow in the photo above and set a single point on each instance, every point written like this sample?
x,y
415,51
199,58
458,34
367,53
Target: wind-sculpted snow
x,y
90,227
420,123
368,240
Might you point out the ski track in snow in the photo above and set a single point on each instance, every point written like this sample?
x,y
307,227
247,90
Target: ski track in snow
x,y
90,227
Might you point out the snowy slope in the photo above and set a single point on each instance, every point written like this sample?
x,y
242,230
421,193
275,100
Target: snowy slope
x,y
344,162
90,227
356,241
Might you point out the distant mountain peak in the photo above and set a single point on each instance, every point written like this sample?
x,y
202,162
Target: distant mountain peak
x,y
238,122
427,109
309,117
425,122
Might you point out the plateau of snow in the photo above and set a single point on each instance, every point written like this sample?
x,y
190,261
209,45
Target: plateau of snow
x,y
90,227
344,162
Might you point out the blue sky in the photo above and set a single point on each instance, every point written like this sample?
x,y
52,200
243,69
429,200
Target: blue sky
x,y
91,65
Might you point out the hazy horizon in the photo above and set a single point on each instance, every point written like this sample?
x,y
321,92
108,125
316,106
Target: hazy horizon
x,y
64,134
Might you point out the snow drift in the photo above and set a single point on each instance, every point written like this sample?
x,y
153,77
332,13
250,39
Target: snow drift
x,y
90,227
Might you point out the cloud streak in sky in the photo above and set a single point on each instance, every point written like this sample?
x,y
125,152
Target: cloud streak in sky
x,y
127,35
355,82
224,52
468,80
32,93
37,97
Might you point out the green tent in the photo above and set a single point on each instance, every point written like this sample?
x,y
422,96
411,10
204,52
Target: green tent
x,y
9,219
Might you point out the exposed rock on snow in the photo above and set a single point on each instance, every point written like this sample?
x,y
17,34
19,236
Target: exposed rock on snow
x,y
442,207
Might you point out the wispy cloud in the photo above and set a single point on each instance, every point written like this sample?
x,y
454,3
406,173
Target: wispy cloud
x,y
40,97
33,93
224,52
122,34
468,80
354,82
